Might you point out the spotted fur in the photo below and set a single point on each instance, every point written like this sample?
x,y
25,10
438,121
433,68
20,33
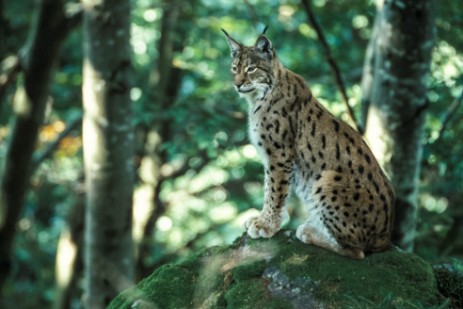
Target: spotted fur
x,y
331,168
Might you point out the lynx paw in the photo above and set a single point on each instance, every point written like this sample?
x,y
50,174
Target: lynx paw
x,y
303,233
257,227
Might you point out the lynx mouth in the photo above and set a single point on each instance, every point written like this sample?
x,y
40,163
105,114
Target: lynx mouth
x,y
246,90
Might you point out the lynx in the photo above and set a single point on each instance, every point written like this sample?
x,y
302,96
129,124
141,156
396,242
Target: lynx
x,y
332,170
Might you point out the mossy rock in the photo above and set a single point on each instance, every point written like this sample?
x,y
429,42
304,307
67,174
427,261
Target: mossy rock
x,y
450,283
283,273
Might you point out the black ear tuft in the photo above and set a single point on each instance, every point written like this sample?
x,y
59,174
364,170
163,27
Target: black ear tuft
x,y
265,29
264,47
235,47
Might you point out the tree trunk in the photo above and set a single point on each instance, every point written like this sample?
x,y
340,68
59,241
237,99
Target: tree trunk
x,y
48,30
108,148
165,80
3,31
400,60
69,264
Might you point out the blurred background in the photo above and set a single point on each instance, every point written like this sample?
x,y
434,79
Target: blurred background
x,y
197,177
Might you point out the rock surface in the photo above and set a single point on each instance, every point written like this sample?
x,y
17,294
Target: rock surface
x,y
283,273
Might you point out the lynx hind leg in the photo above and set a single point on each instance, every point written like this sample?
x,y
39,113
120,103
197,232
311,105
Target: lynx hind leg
x,y
317,234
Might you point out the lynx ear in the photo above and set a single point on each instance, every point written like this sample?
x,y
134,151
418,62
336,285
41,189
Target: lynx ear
x,y
235,47
264,47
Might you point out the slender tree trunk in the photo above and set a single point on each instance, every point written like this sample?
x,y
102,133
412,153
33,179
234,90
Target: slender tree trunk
x,y
5,31
69,264
48,30
395,88
108,148
368,74
164,83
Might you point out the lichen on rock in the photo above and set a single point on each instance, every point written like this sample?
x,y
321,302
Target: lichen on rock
x,y
282,272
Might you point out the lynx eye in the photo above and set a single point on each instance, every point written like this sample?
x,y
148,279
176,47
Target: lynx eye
x,y
251,69
234,69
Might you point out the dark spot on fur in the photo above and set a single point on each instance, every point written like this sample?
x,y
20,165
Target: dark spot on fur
x,y
361,169
375,184
348,150
336,125
367,158
313,130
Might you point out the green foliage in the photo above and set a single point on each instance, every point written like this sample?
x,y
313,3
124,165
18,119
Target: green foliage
x,y
222,179
442,165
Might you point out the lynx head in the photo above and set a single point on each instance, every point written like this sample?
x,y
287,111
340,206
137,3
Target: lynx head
x,y
252,67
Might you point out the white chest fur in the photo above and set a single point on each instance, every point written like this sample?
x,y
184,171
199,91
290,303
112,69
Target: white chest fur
x,y
254,128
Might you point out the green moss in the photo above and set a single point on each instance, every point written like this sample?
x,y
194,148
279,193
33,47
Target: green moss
x,y
377,276
163,292
282,273
182,285
253,294
249,271
450,283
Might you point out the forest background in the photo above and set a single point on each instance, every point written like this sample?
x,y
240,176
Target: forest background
x,y
196,177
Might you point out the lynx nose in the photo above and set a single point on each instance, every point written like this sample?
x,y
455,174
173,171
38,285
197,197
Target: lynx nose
x,y
239,83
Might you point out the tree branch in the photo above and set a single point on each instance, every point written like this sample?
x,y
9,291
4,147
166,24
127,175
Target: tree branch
x,y
451,112
52,146
332,63
11,65
36,58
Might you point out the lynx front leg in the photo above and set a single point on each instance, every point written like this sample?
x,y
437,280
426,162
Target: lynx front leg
x,y
277,181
